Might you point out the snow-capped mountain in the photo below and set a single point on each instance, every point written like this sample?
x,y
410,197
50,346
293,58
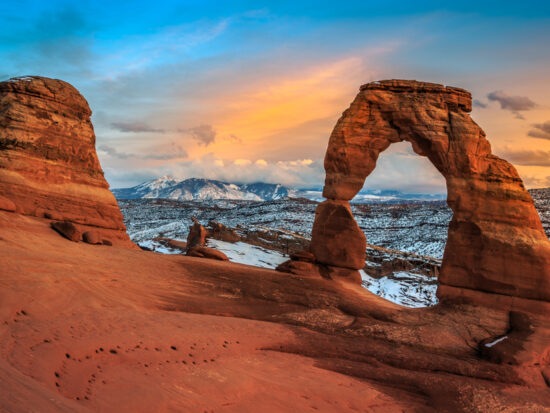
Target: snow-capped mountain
x,y
168,187
197,189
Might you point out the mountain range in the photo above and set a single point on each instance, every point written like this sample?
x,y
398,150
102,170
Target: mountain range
x,y
199,189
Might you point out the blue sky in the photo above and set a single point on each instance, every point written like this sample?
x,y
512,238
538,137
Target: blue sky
x,y
248,90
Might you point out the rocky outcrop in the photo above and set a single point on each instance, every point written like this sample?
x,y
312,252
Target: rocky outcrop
x,y
197,235
217,230
68,230
91,237
48,163
496,243
334,221
205,252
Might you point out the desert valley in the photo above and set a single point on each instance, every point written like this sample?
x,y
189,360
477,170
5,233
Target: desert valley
x,y
212,305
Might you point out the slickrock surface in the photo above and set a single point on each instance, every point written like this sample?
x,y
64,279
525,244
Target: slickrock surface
x,y
496,243
48,163
93,328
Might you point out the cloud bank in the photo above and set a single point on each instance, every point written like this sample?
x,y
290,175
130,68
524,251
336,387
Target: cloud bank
x,y
135,127
514,104
540,130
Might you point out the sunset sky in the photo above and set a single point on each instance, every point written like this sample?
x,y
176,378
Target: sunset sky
x,y
248,91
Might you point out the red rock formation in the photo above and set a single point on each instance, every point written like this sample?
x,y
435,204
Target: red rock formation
x,y
68,230
91,237
197,235
205,252
335,222
496,243
48,163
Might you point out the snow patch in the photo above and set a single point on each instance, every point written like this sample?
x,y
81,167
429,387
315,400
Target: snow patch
x,y
498,340
403,288
248,254
158,247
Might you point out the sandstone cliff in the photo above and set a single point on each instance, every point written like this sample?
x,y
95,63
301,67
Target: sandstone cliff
x,y
48,163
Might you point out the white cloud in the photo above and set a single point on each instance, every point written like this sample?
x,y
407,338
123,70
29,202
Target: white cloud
x,y
242,162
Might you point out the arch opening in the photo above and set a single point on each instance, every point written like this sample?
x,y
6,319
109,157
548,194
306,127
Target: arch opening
x,y
403,213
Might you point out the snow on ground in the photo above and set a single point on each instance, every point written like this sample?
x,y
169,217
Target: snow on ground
x,y
158,247
404,288
243,253
419,228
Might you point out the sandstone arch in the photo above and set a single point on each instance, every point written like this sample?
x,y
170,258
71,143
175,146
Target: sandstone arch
x,y
496,243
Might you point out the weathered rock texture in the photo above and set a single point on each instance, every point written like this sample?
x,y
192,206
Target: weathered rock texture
x,y
197,235
496,243
48,163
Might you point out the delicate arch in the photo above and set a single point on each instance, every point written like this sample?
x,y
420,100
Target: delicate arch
x,y
496,242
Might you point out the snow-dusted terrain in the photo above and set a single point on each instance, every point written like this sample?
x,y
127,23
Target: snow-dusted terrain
x,y
243,253
407,229
404,288
420,228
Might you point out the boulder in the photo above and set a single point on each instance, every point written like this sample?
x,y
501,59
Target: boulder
x,y
496,243
205,252
68,230
91,237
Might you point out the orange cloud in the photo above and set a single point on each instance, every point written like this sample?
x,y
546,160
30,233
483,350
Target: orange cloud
x,y
282,103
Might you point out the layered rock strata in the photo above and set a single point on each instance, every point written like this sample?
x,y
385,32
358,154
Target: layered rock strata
x,y
496,243
48,163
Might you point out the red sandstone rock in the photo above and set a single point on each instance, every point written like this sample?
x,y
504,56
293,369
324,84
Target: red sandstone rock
x,y
299,268
527,342
336,238
51,215
68,230
197,235
107,242
495,242
6,204
302,255
91,237
205,252
47,156
219,231
172,243
339,273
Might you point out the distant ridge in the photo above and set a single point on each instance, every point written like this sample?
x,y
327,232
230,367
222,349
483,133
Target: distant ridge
x,y
196,189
